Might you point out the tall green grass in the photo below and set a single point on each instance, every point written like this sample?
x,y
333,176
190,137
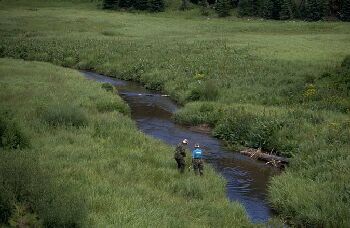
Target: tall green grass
x,y
89,168
314,189
269,84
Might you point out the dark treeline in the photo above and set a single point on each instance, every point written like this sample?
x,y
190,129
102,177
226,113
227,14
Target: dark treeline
x,y
311,10
149,5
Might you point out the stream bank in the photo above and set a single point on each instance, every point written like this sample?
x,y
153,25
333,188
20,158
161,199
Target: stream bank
x,y
246,178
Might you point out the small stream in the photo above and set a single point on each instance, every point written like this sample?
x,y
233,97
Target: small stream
x,y
246,178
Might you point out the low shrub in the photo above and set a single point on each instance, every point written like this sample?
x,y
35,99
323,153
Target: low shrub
x,y
69,61
223,7
204,91
108,87
11,134
235,127
263,132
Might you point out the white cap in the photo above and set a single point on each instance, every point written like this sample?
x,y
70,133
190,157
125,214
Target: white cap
x,y
185,141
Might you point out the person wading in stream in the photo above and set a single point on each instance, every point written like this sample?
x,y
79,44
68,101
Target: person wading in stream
x,y
180,154
197,160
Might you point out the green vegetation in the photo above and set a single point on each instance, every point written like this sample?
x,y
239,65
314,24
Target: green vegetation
x,y
282,86
310,10
223,8
150,5
345,10
87,167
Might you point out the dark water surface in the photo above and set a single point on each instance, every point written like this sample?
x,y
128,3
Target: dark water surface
x,y
246,178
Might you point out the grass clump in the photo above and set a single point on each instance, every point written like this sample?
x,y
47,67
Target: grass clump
x,y
11,134
63,115
203,91
108,87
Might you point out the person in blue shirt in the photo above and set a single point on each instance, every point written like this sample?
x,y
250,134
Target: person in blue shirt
x,y
197,160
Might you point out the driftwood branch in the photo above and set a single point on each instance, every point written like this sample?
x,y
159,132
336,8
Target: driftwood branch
x,y
270,159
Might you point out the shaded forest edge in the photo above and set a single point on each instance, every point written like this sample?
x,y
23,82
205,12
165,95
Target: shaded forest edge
x,y
309,10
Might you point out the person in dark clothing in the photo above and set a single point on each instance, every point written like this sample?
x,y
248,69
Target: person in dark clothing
x,y
180,154
197,160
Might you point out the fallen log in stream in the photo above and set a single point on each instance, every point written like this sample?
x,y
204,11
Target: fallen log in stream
x,y
269,158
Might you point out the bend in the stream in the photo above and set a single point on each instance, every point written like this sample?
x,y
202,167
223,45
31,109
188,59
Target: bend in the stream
x,y
246,178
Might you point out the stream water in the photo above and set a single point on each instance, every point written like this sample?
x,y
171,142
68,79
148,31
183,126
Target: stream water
x,y
246,178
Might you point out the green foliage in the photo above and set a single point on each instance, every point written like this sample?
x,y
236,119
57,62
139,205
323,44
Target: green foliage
x,y
150,5
289,83
140,4
345,10
184,5
11,134
63,115
248,7
22,216
199,113
268,9
156,5
314,10
6,206
306,197
223,8
204,91
110,105
110,4
316,142
125,4
234,127
286,10
108,87
188,188
204,8
346,62
66,164
25,184
311,10
240,127
332,90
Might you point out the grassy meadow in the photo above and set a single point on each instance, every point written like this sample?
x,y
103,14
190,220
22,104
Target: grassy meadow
x,y
278,85
89,166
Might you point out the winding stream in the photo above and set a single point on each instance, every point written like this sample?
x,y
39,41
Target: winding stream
x,y
246,178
